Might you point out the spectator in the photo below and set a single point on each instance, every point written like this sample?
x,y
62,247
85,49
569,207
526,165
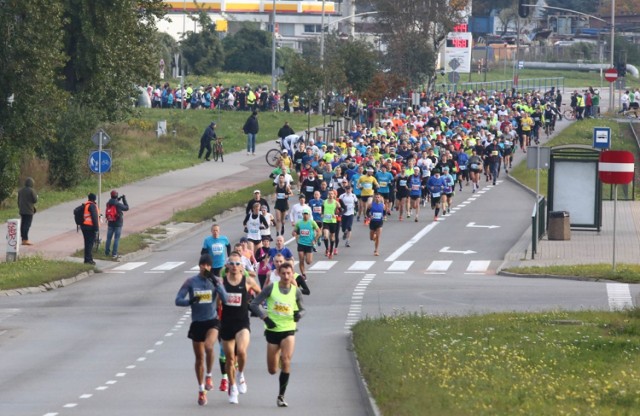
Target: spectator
x,y
27,198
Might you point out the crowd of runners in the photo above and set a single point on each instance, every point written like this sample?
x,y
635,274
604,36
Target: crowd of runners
x,y
377,172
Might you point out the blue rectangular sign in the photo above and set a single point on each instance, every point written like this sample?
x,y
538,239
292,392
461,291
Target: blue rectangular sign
x,y
601,137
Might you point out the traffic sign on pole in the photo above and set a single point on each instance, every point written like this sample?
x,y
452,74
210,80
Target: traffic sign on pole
x,y
611,74
616,167
100,161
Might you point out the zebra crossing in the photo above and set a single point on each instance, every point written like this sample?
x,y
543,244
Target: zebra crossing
x,y
434,267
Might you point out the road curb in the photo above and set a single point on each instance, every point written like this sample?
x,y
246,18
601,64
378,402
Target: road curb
x,y
47,286
370,402
556,276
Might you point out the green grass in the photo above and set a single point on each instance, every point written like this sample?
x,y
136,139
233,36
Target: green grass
x,y
552,363
228,79
32,271
625,273
222,202
138,154
129,244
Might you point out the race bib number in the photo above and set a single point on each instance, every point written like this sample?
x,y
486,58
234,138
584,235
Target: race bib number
x,y
376,215
254,230
280,308
403,183
435,194
234,299
217,249
383,184
494,153
206,296
475,166
317,210
281,195
309,188
327,217
463,167
367,185
415,187
305,233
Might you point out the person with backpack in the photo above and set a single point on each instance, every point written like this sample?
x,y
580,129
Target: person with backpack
x,y
90,226
114,215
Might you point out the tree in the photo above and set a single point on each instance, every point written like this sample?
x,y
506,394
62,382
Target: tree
x,y
107,43
166,48
304,79
203,52
384,85
424,24
622,7
248,50
30,100
353,62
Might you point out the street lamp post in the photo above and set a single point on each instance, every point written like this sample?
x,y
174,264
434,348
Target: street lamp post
x,y
612,91
273,47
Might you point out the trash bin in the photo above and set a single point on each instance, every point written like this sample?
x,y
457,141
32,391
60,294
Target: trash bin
x,y
559,226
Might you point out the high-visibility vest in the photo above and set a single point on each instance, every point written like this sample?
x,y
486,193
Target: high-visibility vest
x,y
87,214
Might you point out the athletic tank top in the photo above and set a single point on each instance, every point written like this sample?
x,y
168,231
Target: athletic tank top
x,y
237,305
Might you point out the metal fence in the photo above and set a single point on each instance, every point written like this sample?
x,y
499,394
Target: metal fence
x,y
538,223
530,84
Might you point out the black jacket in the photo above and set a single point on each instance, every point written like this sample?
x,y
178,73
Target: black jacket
x,y
285,131
251,125
120,207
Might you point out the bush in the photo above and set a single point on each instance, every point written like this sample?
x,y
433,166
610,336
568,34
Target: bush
x,y
9,171
68,151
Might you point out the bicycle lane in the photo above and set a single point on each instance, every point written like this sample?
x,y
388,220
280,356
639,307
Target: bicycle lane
x,y
152,200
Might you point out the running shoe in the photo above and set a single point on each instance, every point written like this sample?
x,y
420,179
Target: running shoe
x,y
435,218
330,256
202,398
367,220
242,384
208,383
233,394
335,251
347,244
416,220
281,402
358,218
326,253
315,250
224,385
408,215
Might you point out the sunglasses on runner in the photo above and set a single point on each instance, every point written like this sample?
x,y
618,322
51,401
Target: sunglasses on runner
x,y
234,263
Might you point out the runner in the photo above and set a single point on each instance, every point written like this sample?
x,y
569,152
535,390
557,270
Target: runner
x,y
253,223
218,247
475,167
447,191
283,192
235,327
415,192
284,310
306,232
200,292
376,213
385,179
295,214
349,205
367,185
330,210
435,184
402,192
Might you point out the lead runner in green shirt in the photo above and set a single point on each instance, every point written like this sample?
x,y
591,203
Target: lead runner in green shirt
x,y
284,310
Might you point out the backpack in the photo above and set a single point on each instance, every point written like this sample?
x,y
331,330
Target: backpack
x,y
78,214
111,213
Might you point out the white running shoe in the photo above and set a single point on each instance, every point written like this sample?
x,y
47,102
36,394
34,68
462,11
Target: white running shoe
x,y
242,384
281,402
233,394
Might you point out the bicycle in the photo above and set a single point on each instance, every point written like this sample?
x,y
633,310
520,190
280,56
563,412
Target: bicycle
x,y
274,155
569,114
218,150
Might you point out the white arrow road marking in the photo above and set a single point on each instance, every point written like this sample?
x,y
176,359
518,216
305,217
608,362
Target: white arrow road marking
x,y
394,256
446,250
473,225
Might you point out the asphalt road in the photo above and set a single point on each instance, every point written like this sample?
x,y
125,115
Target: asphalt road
x,y
115,344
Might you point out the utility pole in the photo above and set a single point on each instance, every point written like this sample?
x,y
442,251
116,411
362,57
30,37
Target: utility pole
x,y
273,47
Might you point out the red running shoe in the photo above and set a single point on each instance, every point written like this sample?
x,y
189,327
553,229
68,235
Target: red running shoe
x,y
224,385
208,383
202,398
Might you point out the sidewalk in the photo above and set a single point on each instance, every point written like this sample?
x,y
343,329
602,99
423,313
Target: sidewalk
x,y
154,200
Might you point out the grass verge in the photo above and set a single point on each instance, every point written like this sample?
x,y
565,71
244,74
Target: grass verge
x,y
34,271
625,273
553,363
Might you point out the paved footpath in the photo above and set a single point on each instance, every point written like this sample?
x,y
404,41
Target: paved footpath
x,y
154,200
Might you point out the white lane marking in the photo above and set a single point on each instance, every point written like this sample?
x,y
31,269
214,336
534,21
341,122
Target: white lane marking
x,y
439,266
121,374
446,250
474,225
86,396
129,266
168,334
130,367
102,388
355,309
150,351
110,382
159,342
70,405
480,192
168,266
619,296
141,359
361,266
50,414
478,267
406,246
400,266
323,265
289,240
195,268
